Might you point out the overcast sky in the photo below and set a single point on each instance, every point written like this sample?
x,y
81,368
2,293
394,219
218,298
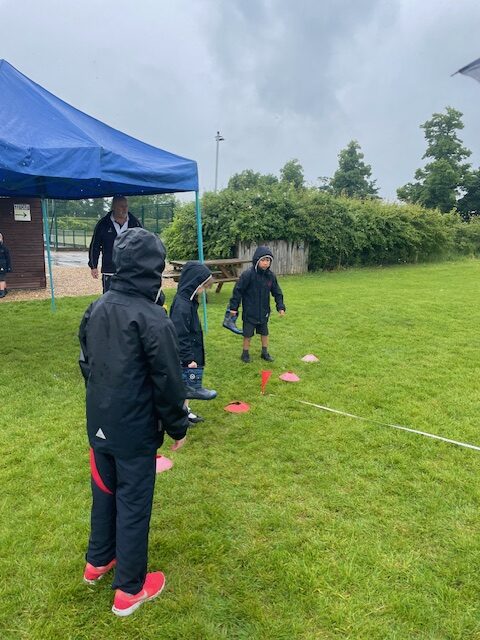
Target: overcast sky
x,y
280,79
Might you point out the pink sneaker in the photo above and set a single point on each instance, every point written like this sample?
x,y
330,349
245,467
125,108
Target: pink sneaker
x,y
92,574
125,603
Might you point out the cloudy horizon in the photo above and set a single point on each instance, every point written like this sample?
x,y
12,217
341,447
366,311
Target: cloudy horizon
x,y
278,79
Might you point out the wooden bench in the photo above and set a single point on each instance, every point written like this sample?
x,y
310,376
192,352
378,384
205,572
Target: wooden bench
x,y
223,270
219,282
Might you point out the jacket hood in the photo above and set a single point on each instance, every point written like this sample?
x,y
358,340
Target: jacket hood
x,y
193,275
262,252
139,257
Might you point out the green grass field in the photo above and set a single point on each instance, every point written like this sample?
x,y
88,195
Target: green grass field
x,y
283,523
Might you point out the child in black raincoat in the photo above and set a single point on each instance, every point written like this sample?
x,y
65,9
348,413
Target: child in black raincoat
x,y
253,291
5,267
194,279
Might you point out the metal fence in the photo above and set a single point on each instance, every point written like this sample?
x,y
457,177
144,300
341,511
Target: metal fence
x,y
70,239
154,217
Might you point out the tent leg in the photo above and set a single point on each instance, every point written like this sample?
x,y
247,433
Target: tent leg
x,y
198,215
49,257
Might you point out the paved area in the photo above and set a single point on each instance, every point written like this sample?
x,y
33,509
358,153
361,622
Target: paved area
x,y
71,277
68,258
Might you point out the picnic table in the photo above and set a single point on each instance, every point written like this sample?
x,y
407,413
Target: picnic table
x,y
223,269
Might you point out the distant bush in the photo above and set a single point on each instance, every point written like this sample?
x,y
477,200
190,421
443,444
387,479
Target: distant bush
x,y
78,224
72,223
341,231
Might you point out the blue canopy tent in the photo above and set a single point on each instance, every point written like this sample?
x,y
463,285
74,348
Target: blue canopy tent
x,y
472,70
49,149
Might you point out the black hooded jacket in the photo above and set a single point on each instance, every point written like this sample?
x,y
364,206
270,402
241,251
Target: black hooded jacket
x,y
5,262
131,349
103,238
253,291
184,313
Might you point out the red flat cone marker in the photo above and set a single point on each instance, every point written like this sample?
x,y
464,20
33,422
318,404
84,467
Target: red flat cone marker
x,y
237,407
163,464
289,376
310,358
265,378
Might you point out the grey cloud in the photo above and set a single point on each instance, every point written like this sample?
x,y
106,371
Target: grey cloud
x,y
286,50
280,78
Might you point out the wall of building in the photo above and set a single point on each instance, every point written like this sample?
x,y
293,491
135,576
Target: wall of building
x,y
22,229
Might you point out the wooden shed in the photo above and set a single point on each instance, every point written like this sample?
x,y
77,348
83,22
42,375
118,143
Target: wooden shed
x,y
22,228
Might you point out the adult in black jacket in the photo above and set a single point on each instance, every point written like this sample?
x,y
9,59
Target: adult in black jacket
x,y
5,267
117,221
194,279
253,291
134,393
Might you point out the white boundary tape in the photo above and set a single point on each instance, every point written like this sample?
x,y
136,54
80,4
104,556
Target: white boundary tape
x,y
386,424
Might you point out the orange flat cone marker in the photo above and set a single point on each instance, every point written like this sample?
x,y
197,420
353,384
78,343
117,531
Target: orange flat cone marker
x,y
237,407
310,358
289,376
265,378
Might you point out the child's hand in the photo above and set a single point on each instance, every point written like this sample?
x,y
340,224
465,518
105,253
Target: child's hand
x,y
178,444
192,365
233,313
282,312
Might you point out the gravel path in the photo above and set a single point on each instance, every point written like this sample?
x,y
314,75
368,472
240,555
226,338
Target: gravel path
x,y
71,280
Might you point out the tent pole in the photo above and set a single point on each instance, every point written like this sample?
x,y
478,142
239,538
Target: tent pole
x,y
47,241
198,215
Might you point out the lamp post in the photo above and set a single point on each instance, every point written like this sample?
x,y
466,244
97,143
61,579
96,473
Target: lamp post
x,y
219,138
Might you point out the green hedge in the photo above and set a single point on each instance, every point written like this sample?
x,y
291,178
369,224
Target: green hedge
x,y
341,232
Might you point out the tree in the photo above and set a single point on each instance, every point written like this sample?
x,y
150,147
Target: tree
x,y
86,208
352,178
249,179
442,181
292,173
468,206
98,208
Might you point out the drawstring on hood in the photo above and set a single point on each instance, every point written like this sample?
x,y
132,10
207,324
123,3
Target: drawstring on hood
x,y
194,275
262,252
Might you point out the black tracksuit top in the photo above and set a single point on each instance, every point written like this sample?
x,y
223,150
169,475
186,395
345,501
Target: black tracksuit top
x,y
102,242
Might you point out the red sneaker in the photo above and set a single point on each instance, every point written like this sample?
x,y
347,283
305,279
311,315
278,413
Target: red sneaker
x,y
125,603
92,574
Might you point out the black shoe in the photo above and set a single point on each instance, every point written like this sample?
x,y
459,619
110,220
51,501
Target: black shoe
x,y
266,356
194,419
245,357
199,394
2,294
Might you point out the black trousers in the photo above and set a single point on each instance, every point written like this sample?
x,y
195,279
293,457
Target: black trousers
x,y
122,492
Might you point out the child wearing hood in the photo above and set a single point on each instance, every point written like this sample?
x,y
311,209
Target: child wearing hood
x,y
195,278
5,267
253,291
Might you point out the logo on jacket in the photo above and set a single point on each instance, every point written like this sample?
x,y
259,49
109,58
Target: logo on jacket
x,y
101,435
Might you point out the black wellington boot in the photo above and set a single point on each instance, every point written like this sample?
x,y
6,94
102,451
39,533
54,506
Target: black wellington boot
x,y
199,394
194,389
229,322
